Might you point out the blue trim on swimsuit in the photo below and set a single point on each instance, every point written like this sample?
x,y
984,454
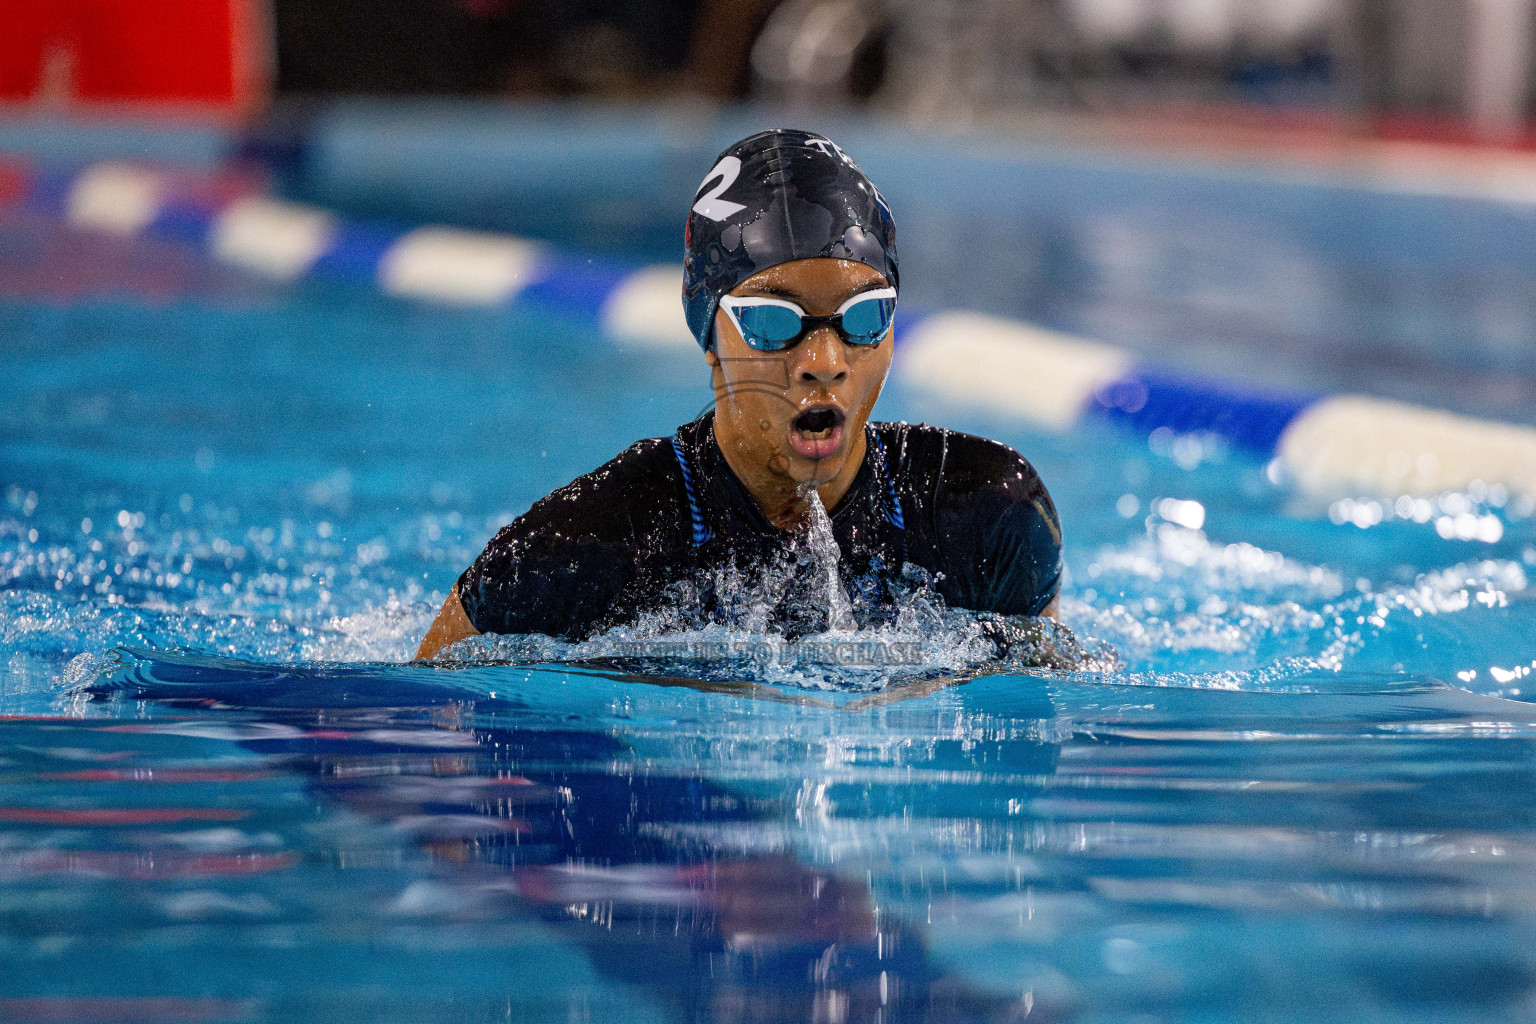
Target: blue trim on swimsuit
x,y
701,531
892,505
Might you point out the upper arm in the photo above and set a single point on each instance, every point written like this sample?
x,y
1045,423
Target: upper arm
x,y
540,574
1004,536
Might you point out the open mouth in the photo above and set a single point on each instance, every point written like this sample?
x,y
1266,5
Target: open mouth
x,y
817,433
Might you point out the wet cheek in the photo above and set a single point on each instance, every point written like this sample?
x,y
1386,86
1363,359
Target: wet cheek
x,y
869,387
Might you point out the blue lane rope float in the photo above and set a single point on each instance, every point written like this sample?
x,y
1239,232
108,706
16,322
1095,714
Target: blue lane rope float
x,y
1329,445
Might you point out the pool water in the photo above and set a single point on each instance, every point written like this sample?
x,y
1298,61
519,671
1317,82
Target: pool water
x,y
1307,793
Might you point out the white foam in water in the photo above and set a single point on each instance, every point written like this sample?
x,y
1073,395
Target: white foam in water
x,y
1181,609
1237,616
386,633
849,660
279,593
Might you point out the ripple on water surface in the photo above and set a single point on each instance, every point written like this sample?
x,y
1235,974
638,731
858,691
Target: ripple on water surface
x,y
1064,841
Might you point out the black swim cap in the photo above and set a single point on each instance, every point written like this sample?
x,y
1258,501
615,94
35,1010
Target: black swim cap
x,y
778,196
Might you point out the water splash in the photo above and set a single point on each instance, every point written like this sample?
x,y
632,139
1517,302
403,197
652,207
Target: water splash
x,y
818,543
956,643
792,622
862,647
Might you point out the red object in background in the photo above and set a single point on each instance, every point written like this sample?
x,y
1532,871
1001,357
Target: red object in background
x,y
185,52
14,181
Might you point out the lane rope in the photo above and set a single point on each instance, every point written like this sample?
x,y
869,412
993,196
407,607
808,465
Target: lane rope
x,y
1327,445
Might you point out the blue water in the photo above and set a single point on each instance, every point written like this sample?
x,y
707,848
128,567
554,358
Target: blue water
x,y
1305,795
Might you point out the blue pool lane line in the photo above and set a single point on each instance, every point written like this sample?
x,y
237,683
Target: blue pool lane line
x,y
1329,445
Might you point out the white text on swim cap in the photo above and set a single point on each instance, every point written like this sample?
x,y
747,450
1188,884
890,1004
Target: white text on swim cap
x,y
710,204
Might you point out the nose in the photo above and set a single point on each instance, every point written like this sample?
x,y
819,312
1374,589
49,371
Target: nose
x,y
821,359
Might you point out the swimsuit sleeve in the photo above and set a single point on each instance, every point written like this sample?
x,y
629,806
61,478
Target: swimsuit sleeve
x,y
564,567
998,529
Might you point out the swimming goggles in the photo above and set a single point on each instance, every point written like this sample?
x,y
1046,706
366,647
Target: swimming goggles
x,y
771,325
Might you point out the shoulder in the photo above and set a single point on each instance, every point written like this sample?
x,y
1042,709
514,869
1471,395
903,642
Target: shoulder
x,y
984,516
645,464
558,567
626,497
959,465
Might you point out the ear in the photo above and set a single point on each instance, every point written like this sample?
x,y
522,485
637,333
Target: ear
x,y
711,357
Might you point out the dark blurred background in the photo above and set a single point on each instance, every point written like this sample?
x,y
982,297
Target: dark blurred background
x,y
1401,64
1443,68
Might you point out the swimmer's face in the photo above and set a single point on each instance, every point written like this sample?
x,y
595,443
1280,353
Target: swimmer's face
x,y
799,413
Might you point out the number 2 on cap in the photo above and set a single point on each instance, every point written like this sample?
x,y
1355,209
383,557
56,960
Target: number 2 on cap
x,y
710,204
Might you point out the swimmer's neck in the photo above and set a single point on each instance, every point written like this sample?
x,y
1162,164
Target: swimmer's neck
x,y
780,496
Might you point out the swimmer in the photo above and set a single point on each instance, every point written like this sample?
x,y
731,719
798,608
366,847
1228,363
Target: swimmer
x,y
790,286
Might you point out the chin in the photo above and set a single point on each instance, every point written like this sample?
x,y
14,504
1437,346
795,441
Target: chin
x,y
816,471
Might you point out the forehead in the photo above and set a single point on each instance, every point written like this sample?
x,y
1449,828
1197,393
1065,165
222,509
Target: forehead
x,y
819,279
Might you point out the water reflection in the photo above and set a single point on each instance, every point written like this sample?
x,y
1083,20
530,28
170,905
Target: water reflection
x,y
386,842
666,880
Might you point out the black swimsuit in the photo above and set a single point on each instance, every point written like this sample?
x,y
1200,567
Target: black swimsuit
x,y
668,523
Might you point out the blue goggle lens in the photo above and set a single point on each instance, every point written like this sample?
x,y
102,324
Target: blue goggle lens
x,y
865,322
768,327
